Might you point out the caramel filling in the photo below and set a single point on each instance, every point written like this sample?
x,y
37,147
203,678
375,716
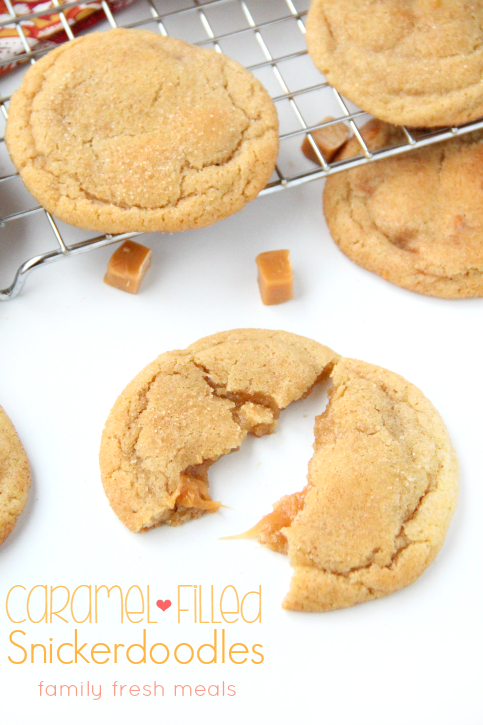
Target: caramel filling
x,y
268,530
194,494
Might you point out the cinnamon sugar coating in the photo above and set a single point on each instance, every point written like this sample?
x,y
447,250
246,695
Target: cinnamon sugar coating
x,y
127,131
382,483
413,62
382,488
14,476
189,407
415,219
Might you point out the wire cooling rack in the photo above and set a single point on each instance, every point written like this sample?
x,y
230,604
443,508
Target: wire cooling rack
x,y
267,37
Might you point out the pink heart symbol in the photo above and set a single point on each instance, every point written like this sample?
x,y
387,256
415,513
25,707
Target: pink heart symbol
x,y
163,605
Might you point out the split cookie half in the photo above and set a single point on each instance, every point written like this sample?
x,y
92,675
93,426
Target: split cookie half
x,y
188,408
381,491
382,484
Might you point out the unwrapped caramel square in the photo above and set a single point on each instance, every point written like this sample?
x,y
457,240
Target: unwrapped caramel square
x,y
127,266
275,276
329,140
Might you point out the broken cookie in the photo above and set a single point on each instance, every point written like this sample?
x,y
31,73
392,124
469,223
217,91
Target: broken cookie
x,y
382,483
188,408
381,490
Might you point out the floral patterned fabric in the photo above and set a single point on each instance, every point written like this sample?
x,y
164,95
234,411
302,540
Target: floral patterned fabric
x,y
46,30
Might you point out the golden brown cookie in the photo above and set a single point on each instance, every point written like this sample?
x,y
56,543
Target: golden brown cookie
x,y
188,408
382,487
414,62
130,131
14,476
415,219
382,484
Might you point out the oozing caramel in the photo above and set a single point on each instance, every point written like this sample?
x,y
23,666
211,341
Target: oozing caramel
x,y
268,530
194,494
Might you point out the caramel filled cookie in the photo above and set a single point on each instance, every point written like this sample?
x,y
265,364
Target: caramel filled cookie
x,y
188,408
415,219
414,62
382,483
381,490
130,131
14,476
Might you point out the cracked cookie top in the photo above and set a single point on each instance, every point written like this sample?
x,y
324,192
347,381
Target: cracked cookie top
x,y
188,408
127,131
382,487
414,62
14,476
382,483
416,219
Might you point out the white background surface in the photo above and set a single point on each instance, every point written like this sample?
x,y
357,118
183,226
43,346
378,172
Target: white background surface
x,y
69,344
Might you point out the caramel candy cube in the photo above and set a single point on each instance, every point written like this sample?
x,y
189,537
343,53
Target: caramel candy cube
x,y
275,277
329,140
127,267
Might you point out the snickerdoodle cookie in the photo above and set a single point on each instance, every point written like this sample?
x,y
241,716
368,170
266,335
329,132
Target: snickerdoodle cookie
x,y
188,408
14,476
415,219
382,484
382,487
127,131
414,62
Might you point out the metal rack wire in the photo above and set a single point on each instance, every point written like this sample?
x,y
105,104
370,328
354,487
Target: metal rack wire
x,y
268,38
